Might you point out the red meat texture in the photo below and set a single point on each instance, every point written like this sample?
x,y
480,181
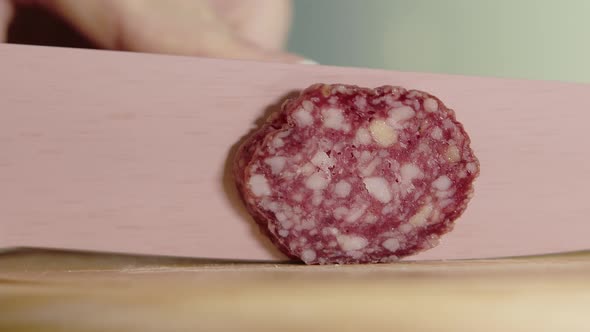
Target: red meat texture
x,y
346,175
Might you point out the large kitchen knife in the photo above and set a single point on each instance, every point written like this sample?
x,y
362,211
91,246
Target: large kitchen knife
x,y
121,152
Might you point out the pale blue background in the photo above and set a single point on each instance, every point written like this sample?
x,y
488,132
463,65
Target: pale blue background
x,y
520,38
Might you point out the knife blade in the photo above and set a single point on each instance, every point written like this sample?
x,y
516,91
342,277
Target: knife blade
x,y
122,152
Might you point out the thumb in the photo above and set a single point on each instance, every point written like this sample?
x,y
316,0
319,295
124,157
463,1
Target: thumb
x,y
6,12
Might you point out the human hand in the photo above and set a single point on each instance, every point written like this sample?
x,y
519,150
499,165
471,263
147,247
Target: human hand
x,y
236,29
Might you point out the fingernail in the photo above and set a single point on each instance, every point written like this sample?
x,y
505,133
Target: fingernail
x,y
308,62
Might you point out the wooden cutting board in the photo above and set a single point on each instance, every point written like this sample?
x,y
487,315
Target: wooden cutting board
x,y
63,291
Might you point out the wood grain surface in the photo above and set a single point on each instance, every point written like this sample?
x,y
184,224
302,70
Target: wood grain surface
x,y
64,291
121,152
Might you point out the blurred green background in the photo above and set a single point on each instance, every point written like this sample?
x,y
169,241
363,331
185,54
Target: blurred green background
x,y
520,38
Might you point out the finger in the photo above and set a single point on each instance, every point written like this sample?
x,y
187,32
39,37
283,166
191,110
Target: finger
x,y
181,27
214,43
6,13
190,27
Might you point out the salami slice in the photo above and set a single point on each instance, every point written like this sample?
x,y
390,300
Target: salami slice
x,y
345,174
